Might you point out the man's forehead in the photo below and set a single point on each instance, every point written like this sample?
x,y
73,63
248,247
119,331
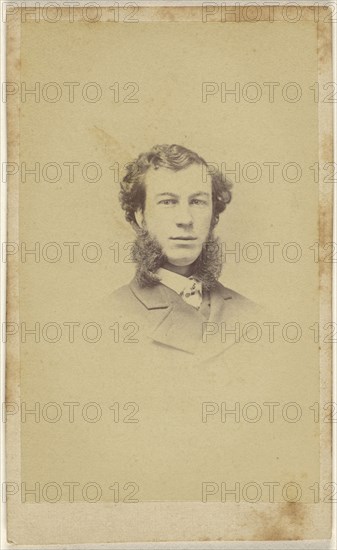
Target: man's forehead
x,y
192,179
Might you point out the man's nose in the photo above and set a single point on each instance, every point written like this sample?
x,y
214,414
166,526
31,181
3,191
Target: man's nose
x,y
183,215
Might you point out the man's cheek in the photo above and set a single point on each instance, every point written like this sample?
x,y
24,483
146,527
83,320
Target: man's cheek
x,y
204,228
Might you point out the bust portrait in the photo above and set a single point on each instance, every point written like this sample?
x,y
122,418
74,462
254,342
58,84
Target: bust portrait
x,y
173,202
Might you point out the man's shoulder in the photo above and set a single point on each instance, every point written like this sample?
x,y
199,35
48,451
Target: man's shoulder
x,y
234,302
120,303
229,294
122,293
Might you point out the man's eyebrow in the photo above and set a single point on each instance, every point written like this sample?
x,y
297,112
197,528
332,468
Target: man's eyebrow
x,y
169,194
200,193
166,194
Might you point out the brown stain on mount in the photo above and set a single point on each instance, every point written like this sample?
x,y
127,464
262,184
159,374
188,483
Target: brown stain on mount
x,y
108,144
285,521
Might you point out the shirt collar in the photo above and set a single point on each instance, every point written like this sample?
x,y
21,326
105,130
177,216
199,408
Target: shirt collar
x,y
172,280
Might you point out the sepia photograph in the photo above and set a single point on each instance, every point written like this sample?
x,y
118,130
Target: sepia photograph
x,y
168,275
173,201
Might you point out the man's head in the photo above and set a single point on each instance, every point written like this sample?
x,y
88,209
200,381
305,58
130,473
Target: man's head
x,y
171,193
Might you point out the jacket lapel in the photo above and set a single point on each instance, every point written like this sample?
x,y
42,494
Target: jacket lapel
x,y
222,309
181,328
173,323
221,304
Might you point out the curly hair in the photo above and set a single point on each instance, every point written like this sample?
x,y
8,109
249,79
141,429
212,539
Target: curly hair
x,y
173,157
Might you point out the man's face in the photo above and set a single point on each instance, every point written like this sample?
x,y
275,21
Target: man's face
x,y
178,212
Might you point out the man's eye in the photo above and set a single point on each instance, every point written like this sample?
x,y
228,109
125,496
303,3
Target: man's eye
x,y
167,202
198,202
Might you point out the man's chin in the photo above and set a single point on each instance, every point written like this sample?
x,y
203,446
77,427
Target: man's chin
x,y
182,262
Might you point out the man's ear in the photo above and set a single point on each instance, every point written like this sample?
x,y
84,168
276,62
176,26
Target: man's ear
x,y
214,222
139,218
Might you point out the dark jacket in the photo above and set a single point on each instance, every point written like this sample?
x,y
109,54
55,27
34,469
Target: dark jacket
x,y
166,323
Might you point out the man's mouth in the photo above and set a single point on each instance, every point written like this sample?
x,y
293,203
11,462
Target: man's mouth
x,y
183,238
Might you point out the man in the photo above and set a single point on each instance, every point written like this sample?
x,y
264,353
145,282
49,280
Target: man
x,y
173,202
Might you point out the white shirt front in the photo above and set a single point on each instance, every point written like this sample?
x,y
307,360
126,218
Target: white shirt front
x,y
173,280
189,288
180,285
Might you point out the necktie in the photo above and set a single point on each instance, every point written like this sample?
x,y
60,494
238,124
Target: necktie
x,y
192,293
